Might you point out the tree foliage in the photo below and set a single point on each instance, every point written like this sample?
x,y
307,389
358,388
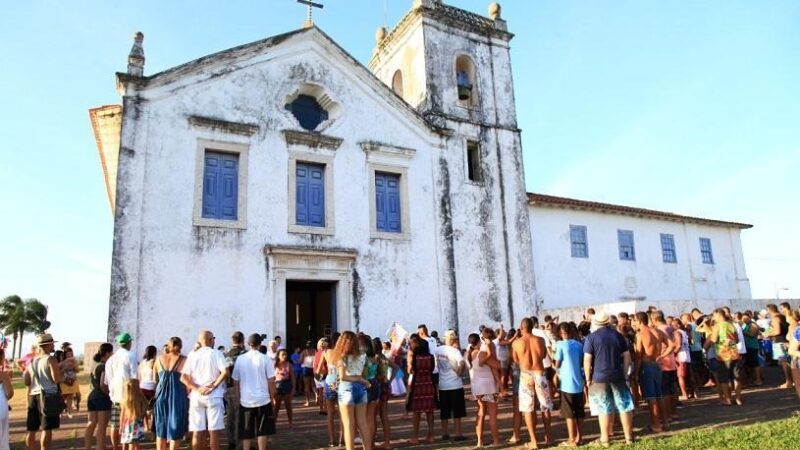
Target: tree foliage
x,y
18,316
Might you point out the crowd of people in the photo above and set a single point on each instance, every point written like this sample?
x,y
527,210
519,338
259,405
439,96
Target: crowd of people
x,y
610,363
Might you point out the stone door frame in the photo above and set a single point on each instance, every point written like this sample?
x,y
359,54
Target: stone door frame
x,y
301,264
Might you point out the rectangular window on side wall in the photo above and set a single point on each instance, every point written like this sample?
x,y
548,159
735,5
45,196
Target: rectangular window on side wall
x,y
705,251
388,216
310,194
578,241
626,249
474,166
668,248
220,185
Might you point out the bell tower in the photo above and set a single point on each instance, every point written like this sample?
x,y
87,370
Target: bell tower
x,y
454,67
449,63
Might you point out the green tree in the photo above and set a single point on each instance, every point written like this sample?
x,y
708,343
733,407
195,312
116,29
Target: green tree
x,y
18,316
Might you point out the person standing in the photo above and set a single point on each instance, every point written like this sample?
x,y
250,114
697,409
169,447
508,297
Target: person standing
x,y
421,389
204,373
726,339
42,376
120,368
171,408
606,360
98,402
284,382
70,388
422,331
568,359
5,395
483,387
648,351
451,388
776,332
232,393
308,372
350,361
254,374
750,332
529,352
669,364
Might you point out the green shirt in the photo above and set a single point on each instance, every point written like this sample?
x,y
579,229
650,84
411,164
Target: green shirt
x,y
750,341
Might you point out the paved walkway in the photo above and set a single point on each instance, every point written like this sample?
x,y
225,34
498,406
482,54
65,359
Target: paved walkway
x,y
761,404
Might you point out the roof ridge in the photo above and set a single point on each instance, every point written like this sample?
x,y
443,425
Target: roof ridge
x,y
630,210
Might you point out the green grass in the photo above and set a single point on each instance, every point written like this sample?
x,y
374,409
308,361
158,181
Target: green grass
x,y
777,435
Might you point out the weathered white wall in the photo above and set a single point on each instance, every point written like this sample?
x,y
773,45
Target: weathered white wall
x,y
173,278
564,281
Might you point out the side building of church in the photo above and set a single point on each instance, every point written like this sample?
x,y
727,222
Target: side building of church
x,y
283,187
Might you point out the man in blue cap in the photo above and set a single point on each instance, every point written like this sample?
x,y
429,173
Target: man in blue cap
x,y
120,368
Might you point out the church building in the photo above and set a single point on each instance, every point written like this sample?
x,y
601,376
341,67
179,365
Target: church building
x,y
284,187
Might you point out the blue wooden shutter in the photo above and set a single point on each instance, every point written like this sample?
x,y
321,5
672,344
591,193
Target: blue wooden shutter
x,y
380,202
310,194
229,187
316,185
301,195
388,217
210,185
393,222
221,186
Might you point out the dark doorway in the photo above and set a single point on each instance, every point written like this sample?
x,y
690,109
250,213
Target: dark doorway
x,y
310,311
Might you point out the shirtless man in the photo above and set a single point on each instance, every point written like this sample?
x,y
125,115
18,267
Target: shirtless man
x,y
648,351
669,364
529,352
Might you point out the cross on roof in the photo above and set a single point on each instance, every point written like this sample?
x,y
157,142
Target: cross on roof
x,y
311,5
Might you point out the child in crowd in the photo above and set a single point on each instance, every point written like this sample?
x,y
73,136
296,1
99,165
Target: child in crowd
x,y
133,411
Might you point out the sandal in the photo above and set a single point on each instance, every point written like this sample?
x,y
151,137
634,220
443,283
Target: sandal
x,y
599,443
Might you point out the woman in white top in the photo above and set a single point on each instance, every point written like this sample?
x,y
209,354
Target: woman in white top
x,y
350,360
147,378
483,386
307,363
684,359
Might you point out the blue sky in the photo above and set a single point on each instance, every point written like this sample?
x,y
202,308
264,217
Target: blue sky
x,y
690,107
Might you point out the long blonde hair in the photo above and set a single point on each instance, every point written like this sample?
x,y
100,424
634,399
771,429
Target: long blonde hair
x,y
134,403
346,345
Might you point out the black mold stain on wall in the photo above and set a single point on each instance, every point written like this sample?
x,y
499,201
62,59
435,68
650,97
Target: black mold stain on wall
x,y
485,210
358,296
445,215
207,238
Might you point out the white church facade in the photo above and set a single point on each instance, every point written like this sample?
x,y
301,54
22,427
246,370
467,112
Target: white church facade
x,y
283,187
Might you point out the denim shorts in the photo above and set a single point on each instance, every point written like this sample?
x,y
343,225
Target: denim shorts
x,y
650,381
374,391
330,390
610,398
352,393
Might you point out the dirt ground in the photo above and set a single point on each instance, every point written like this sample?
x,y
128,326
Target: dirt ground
x,y
760,404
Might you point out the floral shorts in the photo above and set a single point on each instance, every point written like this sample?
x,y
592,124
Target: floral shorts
x,y
534,386
486,398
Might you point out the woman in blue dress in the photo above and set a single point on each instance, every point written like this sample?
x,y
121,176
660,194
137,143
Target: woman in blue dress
x,y
171,409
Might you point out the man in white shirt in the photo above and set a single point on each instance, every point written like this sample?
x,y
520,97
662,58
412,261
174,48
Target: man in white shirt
x,y
120,368
204,373
451,389
254,374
